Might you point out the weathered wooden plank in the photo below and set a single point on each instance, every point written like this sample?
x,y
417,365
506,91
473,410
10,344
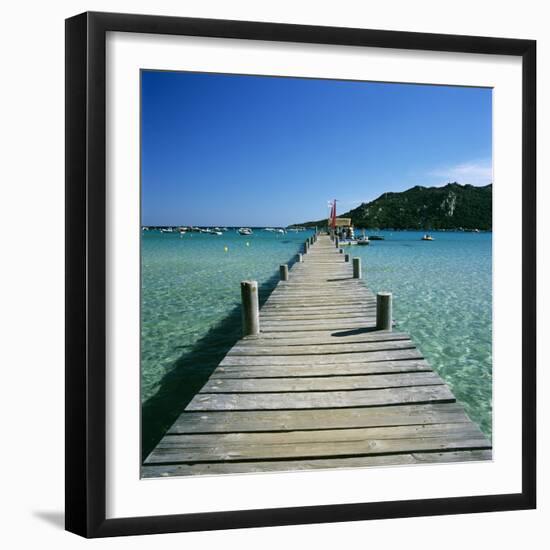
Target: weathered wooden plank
x,y
326,338
318,443
326,349
291,302
320,400
304,316
322,286
288,371
328,383
323,359
290,420
309,285
318,298
408,431
317,324
326,312
371,323
320,291
315,302
337,334
217,468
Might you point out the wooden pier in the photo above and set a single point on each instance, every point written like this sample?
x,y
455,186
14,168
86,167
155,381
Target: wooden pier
x,y
319,387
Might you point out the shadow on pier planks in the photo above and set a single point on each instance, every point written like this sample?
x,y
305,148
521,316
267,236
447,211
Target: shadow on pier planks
x,y
189,373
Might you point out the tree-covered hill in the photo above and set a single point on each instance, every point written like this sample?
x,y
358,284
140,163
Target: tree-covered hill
x,y
450,207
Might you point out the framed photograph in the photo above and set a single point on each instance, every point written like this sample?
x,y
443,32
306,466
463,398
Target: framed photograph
x,y
300,274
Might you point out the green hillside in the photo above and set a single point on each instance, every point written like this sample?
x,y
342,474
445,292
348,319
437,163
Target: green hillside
x,y
450,207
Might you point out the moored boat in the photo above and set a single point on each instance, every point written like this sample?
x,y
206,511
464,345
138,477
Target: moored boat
x,y
347,242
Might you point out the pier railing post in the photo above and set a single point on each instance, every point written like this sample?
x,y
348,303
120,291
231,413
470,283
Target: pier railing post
x,y
250,308
337,242
356,268
341,251
306,247
300,258
384,311
346,259
283,271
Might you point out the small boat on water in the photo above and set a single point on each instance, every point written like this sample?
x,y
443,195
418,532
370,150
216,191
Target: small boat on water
x,y
245,231
363,241
347,242
280,231
376,238
427,237
167,230
216,232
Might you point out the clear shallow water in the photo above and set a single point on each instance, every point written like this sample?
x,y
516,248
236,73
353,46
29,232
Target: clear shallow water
x,y
442,296
191,316
190,283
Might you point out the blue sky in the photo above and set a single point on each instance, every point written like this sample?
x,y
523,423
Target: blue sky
x,y
265,151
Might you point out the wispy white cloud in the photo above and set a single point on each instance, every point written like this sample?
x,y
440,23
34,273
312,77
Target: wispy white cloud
x,y
474,173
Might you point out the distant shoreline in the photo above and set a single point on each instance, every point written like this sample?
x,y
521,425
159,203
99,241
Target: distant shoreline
x,y
310,227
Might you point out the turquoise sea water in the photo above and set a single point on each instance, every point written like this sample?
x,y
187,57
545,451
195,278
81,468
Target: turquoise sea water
x,y
191,299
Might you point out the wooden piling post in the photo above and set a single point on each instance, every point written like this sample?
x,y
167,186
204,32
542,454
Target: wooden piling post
x,y
356,268
300,258
384,311
250,308
341,251
337,242
306,247
346,258
283,271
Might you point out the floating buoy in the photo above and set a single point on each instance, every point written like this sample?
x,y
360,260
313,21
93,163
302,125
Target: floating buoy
x,y
225,249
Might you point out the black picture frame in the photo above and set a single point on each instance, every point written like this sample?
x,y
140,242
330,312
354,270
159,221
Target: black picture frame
x,y
86,269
